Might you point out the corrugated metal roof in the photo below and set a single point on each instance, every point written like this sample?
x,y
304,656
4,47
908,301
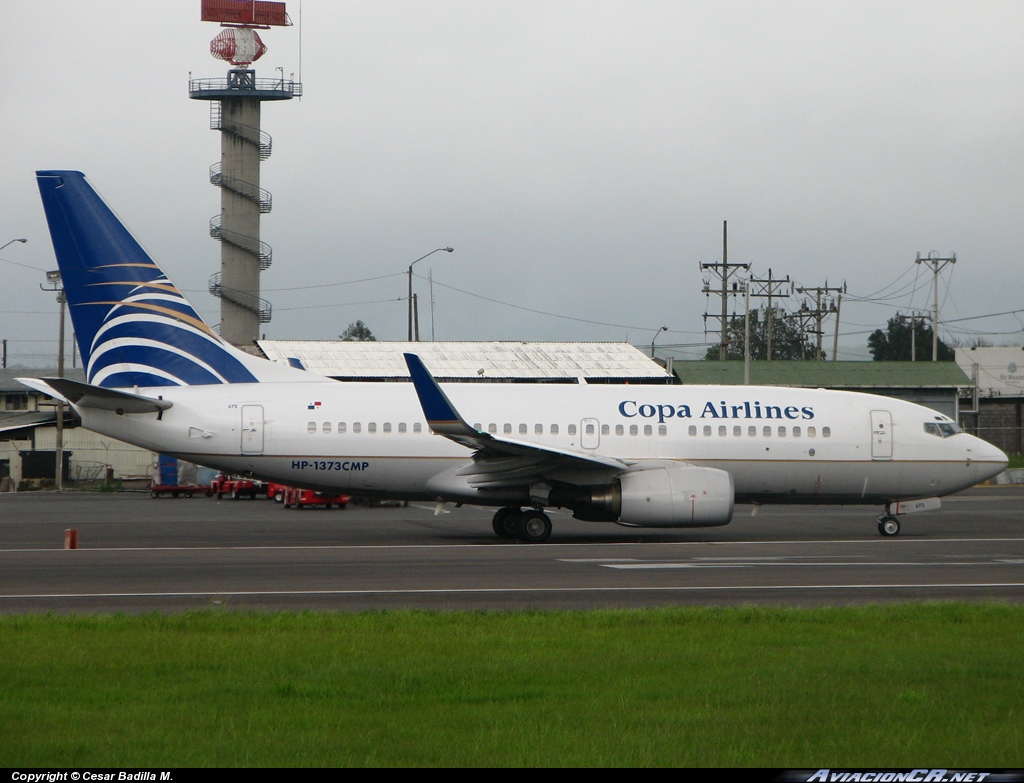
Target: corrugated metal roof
x,y
16,420
471,360
841,375
8,374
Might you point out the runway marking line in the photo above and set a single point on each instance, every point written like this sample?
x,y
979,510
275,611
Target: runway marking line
x,y
533,547
492,590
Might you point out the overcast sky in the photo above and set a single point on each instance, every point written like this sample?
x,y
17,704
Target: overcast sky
x,y
579,156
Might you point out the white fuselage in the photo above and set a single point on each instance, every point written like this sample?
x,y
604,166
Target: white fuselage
x,y
781,445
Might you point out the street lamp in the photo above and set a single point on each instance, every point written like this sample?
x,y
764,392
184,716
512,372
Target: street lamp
x,y
438,250
54,282
662,329
23,241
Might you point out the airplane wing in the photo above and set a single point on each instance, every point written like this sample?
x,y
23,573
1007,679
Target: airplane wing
x,y
86,395
497,461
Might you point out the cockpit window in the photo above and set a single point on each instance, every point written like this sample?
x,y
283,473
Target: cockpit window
x,y
941,429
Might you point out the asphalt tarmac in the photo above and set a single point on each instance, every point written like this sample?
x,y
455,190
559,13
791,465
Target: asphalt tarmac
x,y
138,554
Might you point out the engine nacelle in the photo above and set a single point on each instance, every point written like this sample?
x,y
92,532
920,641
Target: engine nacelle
x,y
681,496
685,496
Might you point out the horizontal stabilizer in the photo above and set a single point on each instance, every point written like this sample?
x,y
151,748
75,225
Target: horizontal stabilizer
x,y
84,395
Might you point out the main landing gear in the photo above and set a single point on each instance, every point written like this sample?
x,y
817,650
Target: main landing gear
x,y
531,526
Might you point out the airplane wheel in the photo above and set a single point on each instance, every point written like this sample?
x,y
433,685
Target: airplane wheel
x,y
504,522
533,527
889,526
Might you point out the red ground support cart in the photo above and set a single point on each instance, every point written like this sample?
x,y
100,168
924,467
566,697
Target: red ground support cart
x,y
300,498
233,486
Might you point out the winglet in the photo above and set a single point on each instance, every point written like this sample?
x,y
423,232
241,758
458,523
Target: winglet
x,y
437,408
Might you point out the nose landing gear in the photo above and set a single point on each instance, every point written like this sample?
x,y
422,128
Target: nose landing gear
x,y
888,523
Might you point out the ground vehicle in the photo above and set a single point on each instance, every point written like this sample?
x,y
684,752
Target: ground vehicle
x,y
275,491
300,498
234,486
176,490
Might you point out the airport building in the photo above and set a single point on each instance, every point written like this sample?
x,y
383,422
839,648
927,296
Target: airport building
x,y
996,412
937,385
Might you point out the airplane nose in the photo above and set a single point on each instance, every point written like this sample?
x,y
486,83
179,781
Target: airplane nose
x,y
992,457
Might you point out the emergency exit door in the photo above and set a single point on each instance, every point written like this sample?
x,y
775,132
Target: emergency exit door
x,y
881,435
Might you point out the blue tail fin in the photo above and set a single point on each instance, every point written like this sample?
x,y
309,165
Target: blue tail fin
x,y
134,327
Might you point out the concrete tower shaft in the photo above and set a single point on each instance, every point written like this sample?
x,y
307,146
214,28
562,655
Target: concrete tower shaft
x,y
235,112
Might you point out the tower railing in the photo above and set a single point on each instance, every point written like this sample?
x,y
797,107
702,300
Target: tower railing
x,y
248,133
242,188
261,250
243,299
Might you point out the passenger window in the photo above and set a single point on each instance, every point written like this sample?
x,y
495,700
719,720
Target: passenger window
x,y
311,427
751,431
767,432
782,432
648,429
554,429
371,427
387,426
662,429
327,428
478,427
522,429
538,429
810,432
722,430
707,430
572,429
605,429
357,427
341,427
737,431
401,427
417,427
507,429
590,429
633,429
492,428
796,432
826,432
692,430
619,429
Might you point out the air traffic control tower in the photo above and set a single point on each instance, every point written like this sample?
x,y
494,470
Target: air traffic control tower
x,y
235,112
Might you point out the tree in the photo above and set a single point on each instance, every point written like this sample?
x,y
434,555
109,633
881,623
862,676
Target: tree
x,y
899,341
357,333
787,340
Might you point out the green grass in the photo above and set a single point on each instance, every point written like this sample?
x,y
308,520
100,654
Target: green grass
x,y
887,686
1016,461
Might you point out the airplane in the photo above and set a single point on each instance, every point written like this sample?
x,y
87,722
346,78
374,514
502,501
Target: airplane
x,y
636,455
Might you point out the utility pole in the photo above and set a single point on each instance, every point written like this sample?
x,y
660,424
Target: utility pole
x,y
770,288
936,263
723,271
53,279
819,313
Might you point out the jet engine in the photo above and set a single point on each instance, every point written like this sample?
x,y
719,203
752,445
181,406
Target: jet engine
x,y
683,496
